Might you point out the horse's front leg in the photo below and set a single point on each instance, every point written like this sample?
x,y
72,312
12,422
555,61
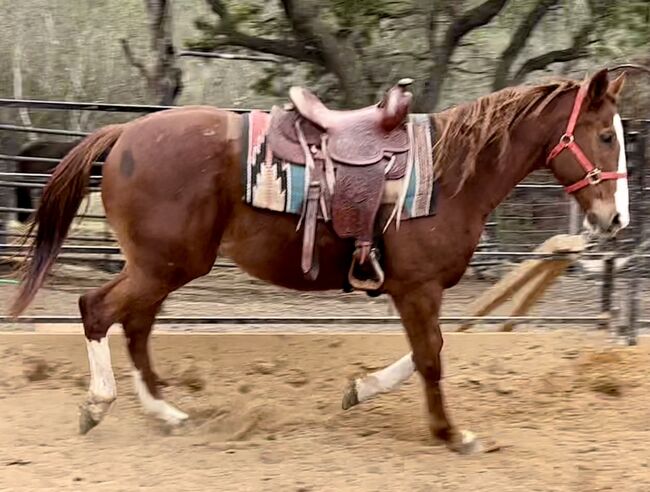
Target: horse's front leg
x,y
419,308
382,381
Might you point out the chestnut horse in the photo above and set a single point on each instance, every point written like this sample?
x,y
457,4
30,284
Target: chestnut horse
x,y
173,195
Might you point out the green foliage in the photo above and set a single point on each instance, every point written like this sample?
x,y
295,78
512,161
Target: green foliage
x,y
627,22
359,16
245,11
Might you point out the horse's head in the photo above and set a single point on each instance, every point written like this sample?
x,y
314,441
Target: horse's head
x,y
589,157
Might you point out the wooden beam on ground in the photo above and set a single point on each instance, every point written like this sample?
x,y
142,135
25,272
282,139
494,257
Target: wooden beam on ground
x,y
515,281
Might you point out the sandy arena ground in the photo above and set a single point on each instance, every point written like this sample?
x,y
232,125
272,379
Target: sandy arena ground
x,y
570,411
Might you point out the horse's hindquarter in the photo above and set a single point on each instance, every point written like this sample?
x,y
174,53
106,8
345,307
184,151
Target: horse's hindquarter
x,y
168,186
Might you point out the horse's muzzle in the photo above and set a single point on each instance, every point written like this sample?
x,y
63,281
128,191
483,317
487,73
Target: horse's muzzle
x,y
603,223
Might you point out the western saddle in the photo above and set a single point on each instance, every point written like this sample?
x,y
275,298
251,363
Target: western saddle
x,y
348,157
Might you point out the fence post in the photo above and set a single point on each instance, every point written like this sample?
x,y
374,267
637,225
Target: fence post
x,y
574,217
6,194
635,148
607,291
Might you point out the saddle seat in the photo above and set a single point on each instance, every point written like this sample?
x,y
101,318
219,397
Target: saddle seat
x,y
359,136
348,155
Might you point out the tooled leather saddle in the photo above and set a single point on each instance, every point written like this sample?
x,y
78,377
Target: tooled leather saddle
x,y
348,157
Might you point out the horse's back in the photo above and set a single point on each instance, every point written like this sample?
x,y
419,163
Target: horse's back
x,y
179,141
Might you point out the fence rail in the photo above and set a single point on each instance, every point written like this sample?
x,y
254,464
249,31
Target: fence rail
x,y
89,106
329,320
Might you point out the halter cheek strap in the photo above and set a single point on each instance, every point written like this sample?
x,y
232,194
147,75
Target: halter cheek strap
x,y
567,141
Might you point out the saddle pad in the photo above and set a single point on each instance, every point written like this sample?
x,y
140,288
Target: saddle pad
x,y
420,199
271,183
268,182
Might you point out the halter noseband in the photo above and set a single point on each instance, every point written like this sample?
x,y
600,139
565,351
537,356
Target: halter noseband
x,y
567,141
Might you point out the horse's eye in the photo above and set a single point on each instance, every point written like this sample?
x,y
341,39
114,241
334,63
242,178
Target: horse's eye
x,y
607,138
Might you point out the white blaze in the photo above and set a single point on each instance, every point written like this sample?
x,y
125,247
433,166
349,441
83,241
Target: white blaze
x,y
621,197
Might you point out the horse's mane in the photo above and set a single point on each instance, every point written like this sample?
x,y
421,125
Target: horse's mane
x,y
466,130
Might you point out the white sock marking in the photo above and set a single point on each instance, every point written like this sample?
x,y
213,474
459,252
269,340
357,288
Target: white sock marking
x,y
102,380
155,406
386,379
621,197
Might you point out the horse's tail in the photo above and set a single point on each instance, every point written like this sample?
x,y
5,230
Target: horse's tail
x,y
59,203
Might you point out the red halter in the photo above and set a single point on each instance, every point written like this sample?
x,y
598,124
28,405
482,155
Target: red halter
x,y
594,175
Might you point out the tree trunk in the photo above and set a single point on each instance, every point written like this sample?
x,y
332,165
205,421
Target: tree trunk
x,y
164,79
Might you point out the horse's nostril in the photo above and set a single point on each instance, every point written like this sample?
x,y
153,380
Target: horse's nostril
x,y
616,221
592,218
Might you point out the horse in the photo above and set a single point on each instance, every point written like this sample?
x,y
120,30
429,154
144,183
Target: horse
x,y
172,193
50,149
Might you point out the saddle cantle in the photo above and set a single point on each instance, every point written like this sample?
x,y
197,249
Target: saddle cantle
x,y
348,156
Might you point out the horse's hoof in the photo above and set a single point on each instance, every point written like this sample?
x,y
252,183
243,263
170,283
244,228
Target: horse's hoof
x,y
350,398
91,413
177,419
86,420
465,442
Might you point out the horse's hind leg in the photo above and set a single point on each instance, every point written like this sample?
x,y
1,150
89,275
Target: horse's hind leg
x,y
132,298
98,315
137,328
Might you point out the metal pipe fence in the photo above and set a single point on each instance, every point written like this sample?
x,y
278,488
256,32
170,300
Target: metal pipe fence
x,y
536,209
330,320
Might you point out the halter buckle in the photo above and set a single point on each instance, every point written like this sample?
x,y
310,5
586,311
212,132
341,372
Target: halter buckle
x,y
593,176
566,140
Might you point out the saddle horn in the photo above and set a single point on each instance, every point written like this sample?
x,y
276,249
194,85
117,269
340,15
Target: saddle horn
x,y
396,104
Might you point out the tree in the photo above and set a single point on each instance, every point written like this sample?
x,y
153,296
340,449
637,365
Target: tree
x,y
164,78
340,38
347,45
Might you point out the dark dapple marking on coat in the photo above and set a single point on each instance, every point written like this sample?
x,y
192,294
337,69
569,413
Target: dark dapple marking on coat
x,y
485,149
127,164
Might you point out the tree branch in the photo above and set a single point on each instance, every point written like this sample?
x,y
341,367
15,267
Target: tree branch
x,y
296,51
518,41
338,58
226,34
131,59
462,25
575,51
17,70
219,8
164,78
473,19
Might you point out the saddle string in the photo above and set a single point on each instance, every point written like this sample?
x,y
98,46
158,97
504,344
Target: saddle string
x,y
399,206
330,178
390,164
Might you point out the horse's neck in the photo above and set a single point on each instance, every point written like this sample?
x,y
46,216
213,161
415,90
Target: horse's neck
x,y
493,181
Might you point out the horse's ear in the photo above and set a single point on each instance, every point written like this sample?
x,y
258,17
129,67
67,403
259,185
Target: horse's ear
x,y
598,85
616,86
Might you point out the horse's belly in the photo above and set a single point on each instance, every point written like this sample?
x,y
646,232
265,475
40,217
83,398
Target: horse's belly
x,y
267,246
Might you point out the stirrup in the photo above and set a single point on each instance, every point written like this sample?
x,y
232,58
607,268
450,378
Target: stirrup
x,y
371,283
